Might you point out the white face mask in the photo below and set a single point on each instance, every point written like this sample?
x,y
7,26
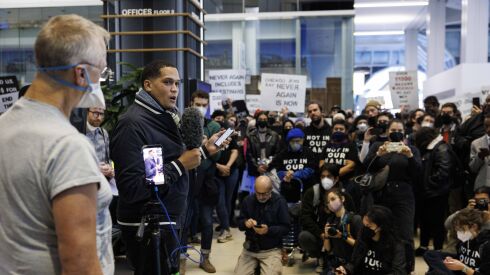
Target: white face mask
x,y
464,236
203,110
362,127
427,124
93,97
327,183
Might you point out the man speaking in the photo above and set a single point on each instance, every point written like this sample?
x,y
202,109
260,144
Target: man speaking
x,y
154,119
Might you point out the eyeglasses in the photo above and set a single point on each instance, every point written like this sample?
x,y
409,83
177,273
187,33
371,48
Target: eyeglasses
x,y
268,193
97,114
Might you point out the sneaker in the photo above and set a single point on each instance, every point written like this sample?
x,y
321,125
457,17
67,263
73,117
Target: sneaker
x,y
319,267
194,240
225,236
207,266
419,252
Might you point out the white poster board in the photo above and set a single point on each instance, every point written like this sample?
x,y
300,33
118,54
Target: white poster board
x,y
283,90
9,92
253,103
404,90
215,102
230,83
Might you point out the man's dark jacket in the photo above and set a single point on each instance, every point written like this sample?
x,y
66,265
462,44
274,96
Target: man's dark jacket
x,y
143,124
274,213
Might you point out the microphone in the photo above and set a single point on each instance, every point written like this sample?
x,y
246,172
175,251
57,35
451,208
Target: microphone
x,y
191,126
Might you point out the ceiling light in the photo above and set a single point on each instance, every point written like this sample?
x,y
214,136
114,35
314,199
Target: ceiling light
x,y
372,33
390,4
382,19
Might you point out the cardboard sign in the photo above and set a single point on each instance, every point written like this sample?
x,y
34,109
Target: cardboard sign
x,y
215,102
9,92
404,90
230,83
253,103
283,90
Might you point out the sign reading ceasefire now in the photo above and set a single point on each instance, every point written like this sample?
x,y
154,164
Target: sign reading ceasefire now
x,y
9,92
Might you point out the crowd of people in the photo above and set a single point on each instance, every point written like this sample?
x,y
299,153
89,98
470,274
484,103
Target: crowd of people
x,y
351,191
434,162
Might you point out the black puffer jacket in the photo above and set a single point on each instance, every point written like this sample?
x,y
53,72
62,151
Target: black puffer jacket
x,y
436,166
272,147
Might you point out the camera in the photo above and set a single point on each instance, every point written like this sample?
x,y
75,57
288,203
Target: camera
x,y
482,205
332,230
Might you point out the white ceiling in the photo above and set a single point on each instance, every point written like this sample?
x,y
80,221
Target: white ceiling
x,y
10,4
396,18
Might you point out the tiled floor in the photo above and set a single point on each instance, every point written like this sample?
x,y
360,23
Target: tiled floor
x,y
224,257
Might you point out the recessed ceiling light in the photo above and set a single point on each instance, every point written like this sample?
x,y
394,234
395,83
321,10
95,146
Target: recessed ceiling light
x,y
373,33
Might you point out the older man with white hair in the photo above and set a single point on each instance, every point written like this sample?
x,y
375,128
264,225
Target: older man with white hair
x,y
53,198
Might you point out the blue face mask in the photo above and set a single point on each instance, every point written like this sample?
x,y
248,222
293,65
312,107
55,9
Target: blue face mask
x,y
295,147
93,96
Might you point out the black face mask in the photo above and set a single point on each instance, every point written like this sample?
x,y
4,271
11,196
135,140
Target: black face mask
x,y
261,123
222,124
271,120
446,119
383,126
338,136
285,132
396,136
367,233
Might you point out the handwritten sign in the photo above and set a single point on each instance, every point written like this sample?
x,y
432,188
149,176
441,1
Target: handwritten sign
x,y
230,83
215,102
282,90
9,92
404,90
253,103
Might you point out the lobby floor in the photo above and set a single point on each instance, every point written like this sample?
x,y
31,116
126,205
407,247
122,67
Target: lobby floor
x,y
224,257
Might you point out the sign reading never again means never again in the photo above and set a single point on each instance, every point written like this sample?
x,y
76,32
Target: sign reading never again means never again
x,y
283,90
9,92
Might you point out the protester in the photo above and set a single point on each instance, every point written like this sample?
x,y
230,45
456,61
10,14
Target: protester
x,y
262,145
54,200
376,249
318,133
372,108
432,204
404,163
153,119
473,251
431,105
265,219
341,231
479,157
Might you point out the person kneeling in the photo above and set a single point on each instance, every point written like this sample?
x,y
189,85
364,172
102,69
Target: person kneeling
x,y
473,250
341,229
265,219
377,251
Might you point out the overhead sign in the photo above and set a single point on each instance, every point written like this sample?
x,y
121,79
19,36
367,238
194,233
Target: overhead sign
x,y
253,103
230,83
9,92
215,102
283,90
404,90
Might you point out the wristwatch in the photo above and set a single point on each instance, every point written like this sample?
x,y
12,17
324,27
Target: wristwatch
x,y
465,269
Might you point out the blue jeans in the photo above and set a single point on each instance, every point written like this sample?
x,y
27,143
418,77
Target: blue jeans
x,y
206,218
226,188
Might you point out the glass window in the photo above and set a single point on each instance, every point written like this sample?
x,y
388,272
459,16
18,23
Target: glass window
x,y
219,54
363,58
381,57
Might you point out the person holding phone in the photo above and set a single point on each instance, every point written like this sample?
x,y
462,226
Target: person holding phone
x,y
473,249
479,157
265,219
398,194
154,119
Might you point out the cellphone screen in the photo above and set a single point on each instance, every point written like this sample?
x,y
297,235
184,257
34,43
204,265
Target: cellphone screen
x,y
476,101
152,155
224,136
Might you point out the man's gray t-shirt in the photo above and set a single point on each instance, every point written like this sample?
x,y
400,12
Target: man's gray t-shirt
x,y
41,155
